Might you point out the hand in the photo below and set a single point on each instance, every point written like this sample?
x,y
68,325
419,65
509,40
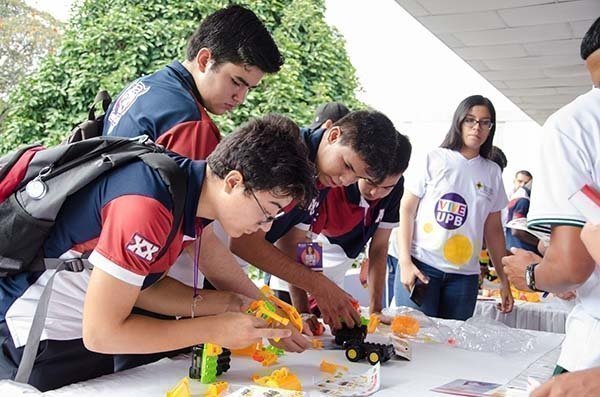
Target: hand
x,y
238,303
295,343
335,304
507,300
409,272
574,384
590,235
515,266
383,318
238,330
312,326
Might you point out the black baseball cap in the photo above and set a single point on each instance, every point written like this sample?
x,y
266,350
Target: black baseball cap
x,y
329,111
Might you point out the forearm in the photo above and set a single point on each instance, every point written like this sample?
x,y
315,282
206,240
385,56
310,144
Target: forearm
x,y
172,298
497,249
376,279
299,299
566,264
221,268
405,236
158,335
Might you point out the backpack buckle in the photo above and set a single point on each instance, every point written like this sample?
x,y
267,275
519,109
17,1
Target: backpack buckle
x,y
74,265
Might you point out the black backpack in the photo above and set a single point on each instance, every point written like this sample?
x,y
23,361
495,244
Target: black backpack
x,y
45,180
34,184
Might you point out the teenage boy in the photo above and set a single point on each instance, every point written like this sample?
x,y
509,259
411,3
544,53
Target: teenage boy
x,y
124,217
360,145
351,216
226,57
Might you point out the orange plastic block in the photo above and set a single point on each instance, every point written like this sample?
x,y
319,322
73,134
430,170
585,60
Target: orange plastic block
x,y
216,389
264,357
405,325
374,321
281,378
331,367
247,351
316,344
181,389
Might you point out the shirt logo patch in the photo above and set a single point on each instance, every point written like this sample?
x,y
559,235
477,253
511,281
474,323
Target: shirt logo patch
x,y
124,102
313,206
380,216
451,211
142,247
483,189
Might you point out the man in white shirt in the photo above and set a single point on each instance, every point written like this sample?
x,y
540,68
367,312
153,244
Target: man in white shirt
x,y
568,160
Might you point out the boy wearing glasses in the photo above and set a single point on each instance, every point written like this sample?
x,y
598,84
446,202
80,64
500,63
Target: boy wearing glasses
x,y
360,145
127,216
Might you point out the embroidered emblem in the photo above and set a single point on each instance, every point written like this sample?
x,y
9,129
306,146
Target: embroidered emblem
x,y
124,102
380,216
142,247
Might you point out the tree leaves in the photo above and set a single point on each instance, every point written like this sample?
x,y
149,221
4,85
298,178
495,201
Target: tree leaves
x,y
109,43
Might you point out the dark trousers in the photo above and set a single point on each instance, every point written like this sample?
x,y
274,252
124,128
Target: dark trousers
x,y
60,363
449,295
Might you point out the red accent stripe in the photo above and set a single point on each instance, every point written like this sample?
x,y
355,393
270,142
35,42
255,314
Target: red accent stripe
x,y
591,193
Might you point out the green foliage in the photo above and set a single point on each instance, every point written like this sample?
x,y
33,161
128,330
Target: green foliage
x,y
26,36
109,43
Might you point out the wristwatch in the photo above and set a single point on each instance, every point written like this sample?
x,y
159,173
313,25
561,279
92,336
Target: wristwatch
x,y
530,277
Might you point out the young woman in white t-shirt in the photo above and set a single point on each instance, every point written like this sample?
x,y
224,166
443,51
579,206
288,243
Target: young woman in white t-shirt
x,y
449,207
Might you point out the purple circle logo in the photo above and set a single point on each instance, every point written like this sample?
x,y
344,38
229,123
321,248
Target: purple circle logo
x,y
451,211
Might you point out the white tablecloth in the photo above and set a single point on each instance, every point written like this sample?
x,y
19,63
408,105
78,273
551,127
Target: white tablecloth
x,y
549,315
432,365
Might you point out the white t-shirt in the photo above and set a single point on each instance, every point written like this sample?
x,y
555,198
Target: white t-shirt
x,y
456,196
569,159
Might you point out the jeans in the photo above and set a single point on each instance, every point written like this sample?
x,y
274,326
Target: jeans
x,y
449,295
392,265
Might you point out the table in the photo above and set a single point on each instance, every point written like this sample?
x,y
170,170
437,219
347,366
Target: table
x,y
432,365
549,315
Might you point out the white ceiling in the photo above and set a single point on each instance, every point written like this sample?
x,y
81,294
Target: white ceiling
x,y
528,49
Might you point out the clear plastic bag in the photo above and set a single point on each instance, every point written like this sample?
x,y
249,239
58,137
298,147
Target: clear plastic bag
x,y
487,335
430,329
476,334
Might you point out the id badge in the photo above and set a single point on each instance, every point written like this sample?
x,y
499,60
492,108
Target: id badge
x,y
310,255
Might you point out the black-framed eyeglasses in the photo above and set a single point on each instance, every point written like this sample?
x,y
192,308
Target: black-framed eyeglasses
x,y
486,124
268,218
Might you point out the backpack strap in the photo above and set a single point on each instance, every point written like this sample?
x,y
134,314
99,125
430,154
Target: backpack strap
x,y
176,182
93,126
39,320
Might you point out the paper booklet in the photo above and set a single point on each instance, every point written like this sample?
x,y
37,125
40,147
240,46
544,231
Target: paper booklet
x,y
521,224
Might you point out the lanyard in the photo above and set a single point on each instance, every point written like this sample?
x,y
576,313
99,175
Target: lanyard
x,y
197,244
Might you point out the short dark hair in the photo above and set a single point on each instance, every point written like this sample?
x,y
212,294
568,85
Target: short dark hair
x,y
498,157
403,152
591,40
270,155
373,137
524,172
235,34
453,139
